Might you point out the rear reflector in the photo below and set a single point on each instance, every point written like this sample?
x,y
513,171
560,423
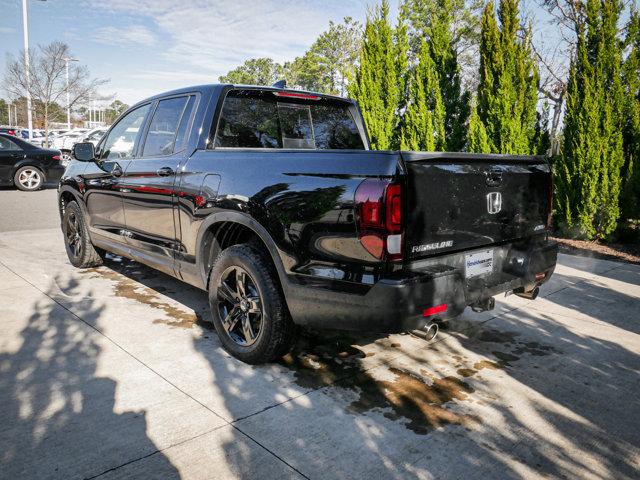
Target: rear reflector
x,y
434,310
540,276
303,96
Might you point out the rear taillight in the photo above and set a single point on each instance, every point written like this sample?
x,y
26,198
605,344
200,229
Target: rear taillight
x,y
55,157
11,132
379,216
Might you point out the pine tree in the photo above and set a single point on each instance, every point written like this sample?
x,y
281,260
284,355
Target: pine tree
x,y
630,203
424,120
588,171
507,93
375,86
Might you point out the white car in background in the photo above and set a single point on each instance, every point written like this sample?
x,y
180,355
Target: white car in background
x,y
95,135
66,141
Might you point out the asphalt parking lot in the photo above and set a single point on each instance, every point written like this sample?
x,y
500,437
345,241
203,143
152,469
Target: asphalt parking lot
x,y
114,372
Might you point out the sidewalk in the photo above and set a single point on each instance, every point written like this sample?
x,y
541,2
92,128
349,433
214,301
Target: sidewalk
x,y
114,372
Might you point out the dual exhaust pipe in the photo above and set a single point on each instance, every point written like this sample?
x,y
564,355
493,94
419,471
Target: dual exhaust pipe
x,y
429,332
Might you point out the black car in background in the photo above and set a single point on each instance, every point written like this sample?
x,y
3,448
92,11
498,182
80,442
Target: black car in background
x,y
26,166
10,130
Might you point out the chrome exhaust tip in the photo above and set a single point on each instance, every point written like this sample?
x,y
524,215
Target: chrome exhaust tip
x,y
427,333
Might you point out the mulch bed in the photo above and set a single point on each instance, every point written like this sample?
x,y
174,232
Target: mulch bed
x,y
629,253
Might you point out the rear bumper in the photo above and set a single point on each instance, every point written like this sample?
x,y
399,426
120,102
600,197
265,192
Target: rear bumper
x,y
54,173
397,304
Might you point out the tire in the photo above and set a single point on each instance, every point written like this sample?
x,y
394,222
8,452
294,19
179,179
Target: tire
x,y
28,178
244,290
77,242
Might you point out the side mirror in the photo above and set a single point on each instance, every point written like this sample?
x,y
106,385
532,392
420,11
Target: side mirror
x,y
84,152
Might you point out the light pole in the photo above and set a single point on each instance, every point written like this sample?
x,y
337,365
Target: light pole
x,y
25,31
66,64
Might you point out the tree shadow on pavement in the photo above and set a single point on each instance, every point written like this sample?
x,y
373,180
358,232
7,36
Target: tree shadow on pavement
x,y
528,393
59,415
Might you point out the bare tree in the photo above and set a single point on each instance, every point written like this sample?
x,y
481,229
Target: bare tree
x,y
48,82
567,16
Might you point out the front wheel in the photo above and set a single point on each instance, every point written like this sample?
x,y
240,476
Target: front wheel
x,y
80,250
248,308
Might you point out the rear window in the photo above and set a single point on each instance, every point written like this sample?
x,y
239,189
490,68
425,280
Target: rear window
x,y
260,119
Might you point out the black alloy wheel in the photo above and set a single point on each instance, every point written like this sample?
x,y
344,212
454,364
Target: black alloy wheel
x,y
248,307
239,306
73,235
77,242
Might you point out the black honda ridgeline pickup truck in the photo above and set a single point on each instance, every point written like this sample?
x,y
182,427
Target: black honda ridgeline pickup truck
x,y
271,200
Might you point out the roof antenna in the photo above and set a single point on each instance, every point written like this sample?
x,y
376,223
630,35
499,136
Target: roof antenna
x,y
280,84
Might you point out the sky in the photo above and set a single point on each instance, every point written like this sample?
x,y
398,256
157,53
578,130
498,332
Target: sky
x,y
146,47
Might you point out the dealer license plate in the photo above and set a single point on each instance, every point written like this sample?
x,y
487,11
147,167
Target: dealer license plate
x,y
478,263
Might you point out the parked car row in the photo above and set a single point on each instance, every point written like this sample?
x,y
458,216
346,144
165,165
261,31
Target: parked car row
x,y
60,139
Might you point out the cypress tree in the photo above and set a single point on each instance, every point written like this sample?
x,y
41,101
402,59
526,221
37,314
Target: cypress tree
x,y
445,58
630,203
433,20
477,138
424,120
588,171
403,74
507,93
375,86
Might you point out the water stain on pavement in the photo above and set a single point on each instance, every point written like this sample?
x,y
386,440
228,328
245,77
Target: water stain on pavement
x,y
126,287
410,398
335,359
318,360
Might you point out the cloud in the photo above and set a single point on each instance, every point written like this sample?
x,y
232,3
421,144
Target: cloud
x,y
125,36
199,40
7,30
216,37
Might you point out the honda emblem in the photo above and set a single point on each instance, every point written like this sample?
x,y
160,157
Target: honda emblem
x,y
494,202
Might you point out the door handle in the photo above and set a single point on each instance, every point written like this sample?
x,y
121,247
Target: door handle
x,y
165,171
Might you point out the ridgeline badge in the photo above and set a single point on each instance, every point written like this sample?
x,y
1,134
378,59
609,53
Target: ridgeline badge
x,y
431,246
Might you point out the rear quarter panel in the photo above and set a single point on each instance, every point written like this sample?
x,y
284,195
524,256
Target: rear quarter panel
x,y
304,199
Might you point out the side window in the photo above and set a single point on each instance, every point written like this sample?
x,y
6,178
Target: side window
x,y
335,128
164,126
121,142
6,144
183,130
248,122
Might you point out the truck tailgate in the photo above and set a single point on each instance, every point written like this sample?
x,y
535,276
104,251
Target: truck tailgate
x,y
467,201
